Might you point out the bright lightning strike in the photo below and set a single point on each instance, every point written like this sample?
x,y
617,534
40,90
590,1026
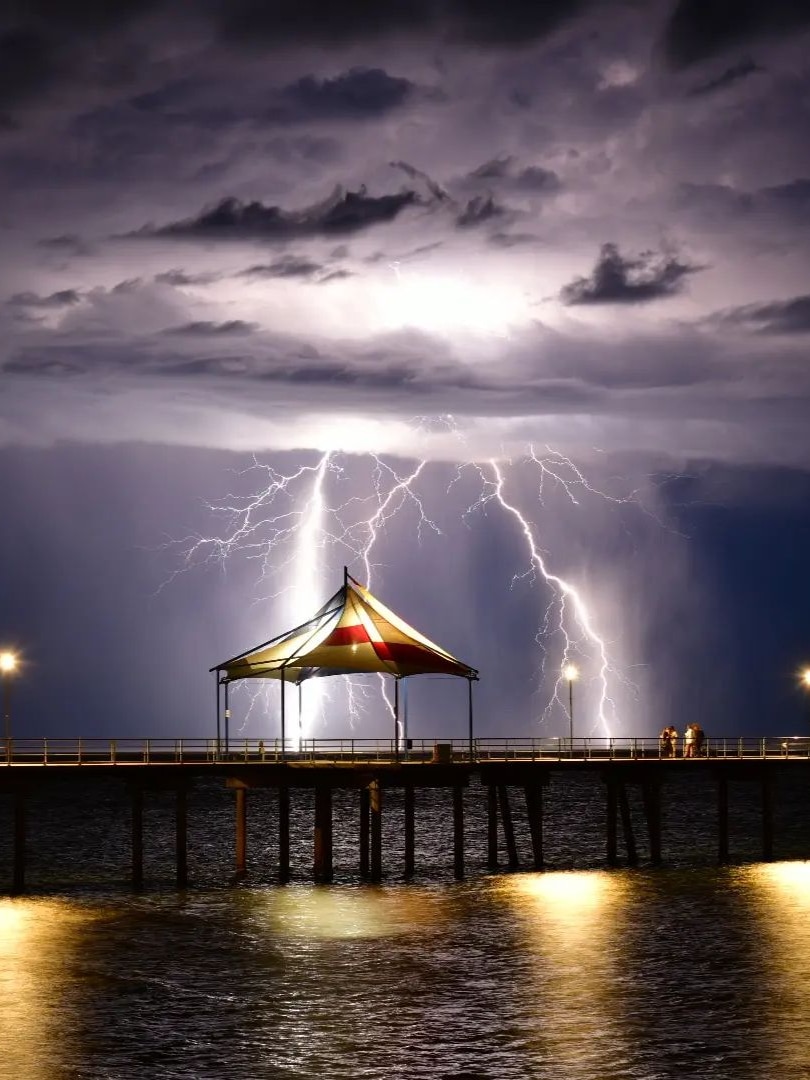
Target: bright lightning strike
x,y
571,606
298,530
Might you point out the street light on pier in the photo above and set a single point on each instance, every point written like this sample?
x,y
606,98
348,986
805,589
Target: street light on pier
x,y
8,665
804,679
571,673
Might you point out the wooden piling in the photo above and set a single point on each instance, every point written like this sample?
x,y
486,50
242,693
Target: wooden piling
x,y
241,831
458,832
612,800
534,810
181,836
376,808
283,833
627,826
323,833
651,797
492,827
767,815
722,818
410,845
18,873
137,837
365,805
508,828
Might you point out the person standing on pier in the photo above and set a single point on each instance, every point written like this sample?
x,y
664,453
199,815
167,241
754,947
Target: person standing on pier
x,y
668,741
698,741
689,741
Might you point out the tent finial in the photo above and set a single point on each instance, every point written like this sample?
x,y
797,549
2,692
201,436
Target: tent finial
x,y
345,576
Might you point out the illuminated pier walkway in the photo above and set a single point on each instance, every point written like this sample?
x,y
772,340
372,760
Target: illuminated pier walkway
x,y
503,769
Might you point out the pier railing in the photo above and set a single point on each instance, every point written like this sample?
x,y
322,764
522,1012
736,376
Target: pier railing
x,y
147,751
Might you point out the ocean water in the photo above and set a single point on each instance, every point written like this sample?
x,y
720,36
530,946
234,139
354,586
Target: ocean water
x,y
577,972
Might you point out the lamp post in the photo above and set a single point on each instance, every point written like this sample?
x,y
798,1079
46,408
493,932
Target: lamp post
x,y
571,673
8,665
804,679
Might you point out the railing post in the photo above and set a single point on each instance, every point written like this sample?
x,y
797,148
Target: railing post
x,y
44,751
113,751
80,752
147,751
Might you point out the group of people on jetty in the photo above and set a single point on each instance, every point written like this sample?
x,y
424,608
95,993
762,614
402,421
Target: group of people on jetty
x,y
693,739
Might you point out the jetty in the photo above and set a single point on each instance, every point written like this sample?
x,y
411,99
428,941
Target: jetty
x,y
503,770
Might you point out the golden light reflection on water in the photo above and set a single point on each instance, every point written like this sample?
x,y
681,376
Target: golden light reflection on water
x,y
37,940
780,900
572,923
335,913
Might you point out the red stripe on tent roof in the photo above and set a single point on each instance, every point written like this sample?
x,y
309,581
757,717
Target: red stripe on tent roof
x,y
347,635
417,656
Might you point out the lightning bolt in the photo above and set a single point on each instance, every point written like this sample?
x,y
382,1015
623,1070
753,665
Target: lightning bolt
x,y
289,526
567,599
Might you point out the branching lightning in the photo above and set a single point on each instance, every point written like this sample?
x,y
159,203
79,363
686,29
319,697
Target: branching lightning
x,y
295,525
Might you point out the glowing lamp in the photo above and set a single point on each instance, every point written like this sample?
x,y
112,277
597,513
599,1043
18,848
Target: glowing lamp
x,y
8,662
8,665
571,672
805,678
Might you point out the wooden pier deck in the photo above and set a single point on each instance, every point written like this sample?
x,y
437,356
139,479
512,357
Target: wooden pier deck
x,y
506,769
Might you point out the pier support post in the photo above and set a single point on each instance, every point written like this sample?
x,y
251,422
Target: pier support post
x,y
241,831
534,810
376,807
181,836
18,875
651,793
458,832
283,833
627,826
137,837
612,839
722,818
767,815
323,833
492,827
410,846
365,805
508,829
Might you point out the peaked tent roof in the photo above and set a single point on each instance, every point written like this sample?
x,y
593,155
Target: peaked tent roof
x,y
352,633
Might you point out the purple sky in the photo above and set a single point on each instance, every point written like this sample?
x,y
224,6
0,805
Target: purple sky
x,y
442,231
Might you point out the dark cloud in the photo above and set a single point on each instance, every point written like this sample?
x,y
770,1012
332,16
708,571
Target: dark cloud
x,y
335,275
232,219
31,62
61,299
213,329
358,94
777,317
730,76
699,29
81,16
495,169
534,178
288,266
504,172
511,22
478,211
617,279
179,278
435,189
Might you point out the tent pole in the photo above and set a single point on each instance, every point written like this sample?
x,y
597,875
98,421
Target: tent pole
x,y
469,697
227,717
218,714
396,716
300,729
405,718
283,743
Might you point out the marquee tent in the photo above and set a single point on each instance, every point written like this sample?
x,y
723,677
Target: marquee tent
x,y
353,633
